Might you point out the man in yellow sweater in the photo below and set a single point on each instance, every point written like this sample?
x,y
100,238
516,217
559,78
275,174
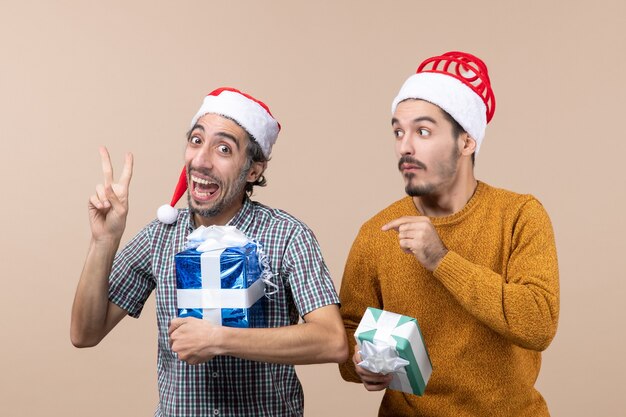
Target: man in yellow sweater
x,y
474,264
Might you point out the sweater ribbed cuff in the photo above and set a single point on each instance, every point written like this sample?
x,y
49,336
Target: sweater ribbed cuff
x,y
453,272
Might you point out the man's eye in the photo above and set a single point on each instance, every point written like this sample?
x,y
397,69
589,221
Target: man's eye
x,y
423,132
223,149
195,140
398,133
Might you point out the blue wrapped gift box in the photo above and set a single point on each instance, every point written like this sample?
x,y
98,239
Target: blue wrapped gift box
x,y
222,286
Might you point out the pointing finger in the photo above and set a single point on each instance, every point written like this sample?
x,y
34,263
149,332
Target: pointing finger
x,y
395,224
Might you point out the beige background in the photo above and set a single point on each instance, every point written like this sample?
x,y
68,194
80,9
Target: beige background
x,y
130,74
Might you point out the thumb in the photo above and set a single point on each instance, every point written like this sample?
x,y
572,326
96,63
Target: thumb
x,y
357,355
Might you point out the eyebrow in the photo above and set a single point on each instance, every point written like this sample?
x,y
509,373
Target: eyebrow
x,y
228,136
416,120
194,127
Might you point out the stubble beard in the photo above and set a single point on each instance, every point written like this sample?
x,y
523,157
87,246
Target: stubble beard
x,y
446,170
226,200
417,190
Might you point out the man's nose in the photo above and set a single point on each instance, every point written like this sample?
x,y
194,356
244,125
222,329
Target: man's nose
x,y
406,146
202,158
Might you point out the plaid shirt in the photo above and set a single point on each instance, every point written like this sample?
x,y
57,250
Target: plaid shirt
x,y
225,385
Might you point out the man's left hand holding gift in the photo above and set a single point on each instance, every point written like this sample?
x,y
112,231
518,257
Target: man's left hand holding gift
x,y
198,341
372,381
207,368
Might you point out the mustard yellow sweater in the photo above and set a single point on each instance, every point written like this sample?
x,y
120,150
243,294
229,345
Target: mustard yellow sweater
x,y
485,313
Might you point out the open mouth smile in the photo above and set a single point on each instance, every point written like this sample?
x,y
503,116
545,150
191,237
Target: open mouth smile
x,y
203,189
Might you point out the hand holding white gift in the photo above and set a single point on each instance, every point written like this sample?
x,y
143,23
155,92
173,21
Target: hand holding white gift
x,y
380,359
392,343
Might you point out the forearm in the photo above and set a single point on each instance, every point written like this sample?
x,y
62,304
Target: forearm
x,y
300,344
320,339
524,309
347,368
91,303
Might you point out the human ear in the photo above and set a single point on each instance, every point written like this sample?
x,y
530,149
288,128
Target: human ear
x,y
468,144
255,171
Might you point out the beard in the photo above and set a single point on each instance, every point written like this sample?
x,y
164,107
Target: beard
x,y
226,200
445,170
417,190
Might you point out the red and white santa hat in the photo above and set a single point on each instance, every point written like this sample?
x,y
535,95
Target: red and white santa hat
x,y
458,83
251,114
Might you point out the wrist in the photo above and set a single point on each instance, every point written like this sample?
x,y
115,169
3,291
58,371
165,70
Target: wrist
x,y
222,340
105,243
438,259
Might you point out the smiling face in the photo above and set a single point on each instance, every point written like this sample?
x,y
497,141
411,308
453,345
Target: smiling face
x,y
217,169
428,151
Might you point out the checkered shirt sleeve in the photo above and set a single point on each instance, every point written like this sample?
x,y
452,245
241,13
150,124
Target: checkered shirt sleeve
x,y
131,280
307,274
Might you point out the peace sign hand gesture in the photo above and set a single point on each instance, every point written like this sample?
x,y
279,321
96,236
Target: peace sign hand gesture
x,y
109,206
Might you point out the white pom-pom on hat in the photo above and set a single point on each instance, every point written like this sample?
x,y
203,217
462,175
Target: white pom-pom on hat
x,y
167,213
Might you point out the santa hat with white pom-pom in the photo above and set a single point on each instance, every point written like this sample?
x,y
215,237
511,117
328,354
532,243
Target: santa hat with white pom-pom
x,y
458,83
251,114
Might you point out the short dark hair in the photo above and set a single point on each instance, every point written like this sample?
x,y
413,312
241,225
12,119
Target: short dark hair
x,y
457,129
254,154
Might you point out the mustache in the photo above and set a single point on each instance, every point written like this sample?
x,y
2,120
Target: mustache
x,y
406,159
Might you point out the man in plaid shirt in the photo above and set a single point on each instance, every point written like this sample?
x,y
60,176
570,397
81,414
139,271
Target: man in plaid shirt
x,y
205,369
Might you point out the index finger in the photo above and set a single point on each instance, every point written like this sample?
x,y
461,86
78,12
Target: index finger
x,y
395,224
107,168
175,324
127,172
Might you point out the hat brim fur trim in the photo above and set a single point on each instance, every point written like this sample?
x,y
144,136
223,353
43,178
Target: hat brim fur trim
x,y
451,95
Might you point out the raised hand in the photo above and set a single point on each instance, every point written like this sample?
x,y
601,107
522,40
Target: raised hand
x,y
417,235
109,206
